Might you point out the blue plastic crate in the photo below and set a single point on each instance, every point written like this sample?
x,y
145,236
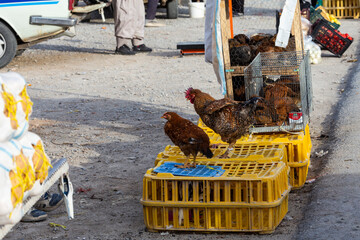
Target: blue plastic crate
x,y
199,171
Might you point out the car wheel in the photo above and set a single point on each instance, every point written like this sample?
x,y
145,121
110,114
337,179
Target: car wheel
x,y
172,9
8,45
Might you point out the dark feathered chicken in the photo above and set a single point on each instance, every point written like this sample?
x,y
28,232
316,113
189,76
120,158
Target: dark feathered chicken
x,y
230,119
241,55
265,113
190,138
241,38
256,39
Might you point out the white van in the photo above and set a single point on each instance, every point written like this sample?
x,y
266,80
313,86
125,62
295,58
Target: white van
x,y
26,22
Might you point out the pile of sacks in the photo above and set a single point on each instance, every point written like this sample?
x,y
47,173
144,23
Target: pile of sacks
x,y
23,162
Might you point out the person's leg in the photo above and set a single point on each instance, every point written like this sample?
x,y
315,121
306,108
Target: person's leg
x,y
151,9
124,26
238,6
139,23
151,13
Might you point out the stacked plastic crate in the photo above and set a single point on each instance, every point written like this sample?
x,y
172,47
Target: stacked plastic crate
x,y
343,8
297,147
247,192
249,196
284,81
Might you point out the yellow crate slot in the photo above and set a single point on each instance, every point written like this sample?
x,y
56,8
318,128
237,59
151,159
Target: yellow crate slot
x,y
298,149
343,8
249,152
250,197
298,174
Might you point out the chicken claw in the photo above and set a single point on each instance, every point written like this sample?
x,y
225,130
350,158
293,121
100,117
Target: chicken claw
x,y
193,165
187,165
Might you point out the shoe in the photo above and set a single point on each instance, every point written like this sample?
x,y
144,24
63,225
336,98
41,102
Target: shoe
x,y
238,14
49,202
34,215
124,50
153,23
141,48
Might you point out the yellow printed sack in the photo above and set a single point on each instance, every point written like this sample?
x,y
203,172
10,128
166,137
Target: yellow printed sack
x,y
34,149
16,176
15,84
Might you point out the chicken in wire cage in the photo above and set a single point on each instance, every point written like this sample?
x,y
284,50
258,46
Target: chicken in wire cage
x,y
255,25
283,81
239,88
242,53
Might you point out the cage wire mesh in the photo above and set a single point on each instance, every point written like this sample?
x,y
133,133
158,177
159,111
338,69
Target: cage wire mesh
x,y
283,81
255,26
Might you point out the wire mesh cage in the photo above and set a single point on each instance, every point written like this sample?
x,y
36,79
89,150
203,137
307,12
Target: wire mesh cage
x,y
254,26
283,81
256,16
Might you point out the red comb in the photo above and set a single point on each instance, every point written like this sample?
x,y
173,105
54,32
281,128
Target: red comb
x,y
187,92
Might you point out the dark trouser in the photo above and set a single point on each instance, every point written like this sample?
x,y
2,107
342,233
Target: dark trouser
x,y
238,6
151,9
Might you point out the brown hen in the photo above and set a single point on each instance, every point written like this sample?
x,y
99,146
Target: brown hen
x,y
190,138
228,118
265,113
281,98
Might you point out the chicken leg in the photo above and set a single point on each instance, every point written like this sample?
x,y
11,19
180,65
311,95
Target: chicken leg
x,y
193,164
226,153
186,163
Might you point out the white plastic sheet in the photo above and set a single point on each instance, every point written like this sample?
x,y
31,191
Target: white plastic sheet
x,y
286,21
213,44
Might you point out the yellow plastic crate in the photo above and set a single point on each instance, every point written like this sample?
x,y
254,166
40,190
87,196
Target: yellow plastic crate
x,y
249,152
343,8
298,149
298,174
248,197
298,170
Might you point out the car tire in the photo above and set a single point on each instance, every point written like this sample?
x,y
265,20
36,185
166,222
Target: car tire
x,y
8,45
172,9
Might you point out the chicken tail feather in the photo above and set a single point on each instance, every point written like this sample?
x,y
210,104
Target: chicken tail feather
x,y
208,153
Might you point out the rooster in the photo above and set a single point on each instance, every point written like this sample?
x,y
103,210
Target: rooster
x,y
228,118
190,138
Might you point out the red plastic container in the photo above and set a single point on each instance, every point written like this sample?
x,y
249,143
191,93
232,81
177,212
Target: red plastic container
x,y
331,39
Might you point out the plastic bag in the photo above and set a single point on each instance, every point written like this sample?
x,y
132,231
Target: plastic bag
x,y
40,160
305,26
13,217
314,50
16,104
33,148
8,123
16,176
14,85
